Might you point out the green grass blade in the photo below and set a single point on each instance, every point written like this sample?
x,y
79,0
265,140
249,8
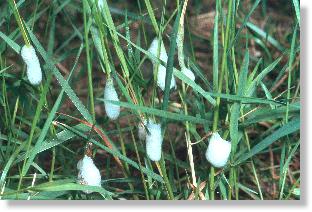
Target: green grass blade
x,y
216,53
253,85
297,9
286,168
286,129
264,35
68,185
160,113
290,62
152,15
11,43
235,111
243,25
169,68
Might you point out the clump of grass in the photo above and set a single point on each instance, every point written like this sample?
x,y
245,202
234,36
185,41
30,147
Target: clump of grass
x,y
238,78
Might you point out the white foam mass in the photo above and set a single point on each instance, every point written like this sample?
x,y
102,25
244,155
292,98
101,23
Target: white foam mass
x,y
187,72
92,4
100,4
110,93
153,49
153,141
161,78
88,173
33,70
161,73
218,150
141,130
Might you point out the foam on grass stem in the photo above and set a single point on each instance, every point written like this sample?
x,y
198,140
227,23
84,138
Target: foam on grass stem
x,y
154,141
161,72
218,150
88,173
187,72
110,93
33,69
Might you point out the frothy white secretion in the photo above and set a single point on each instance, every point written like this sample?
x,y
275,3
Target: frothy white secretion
x,y
187,72
154,141
33,71
88,173
218,150
153,49
110,93
100,4
161,73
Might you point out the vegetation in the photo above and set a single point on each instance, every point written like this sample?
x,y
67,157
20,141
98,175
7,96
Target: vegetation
x,y
245,59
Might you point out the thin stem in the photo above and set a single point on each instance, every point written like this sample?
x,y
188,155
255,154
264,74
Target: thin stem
x,y
140,163
19,22
211,183
161,166
89,64
223,66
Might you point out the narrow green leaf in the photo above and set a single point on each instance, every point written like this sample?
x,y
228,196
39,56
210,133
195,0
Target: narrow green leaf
x,y
113,32
215,53
286,129
160,113
297,9
11,43
253,85
268,114
151,15
169,68
235,111
68,185
243,25
265,36
286,167
290,62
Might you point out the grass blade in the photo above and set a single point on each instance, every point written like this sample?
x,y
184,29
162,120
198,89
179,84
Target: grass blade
x,y
235,111
287,129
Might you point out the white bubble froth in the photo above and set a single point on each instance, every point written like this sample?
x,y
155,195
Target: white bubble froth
x,y
33,71
88,173
161,73
110,93
154,141
218,151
